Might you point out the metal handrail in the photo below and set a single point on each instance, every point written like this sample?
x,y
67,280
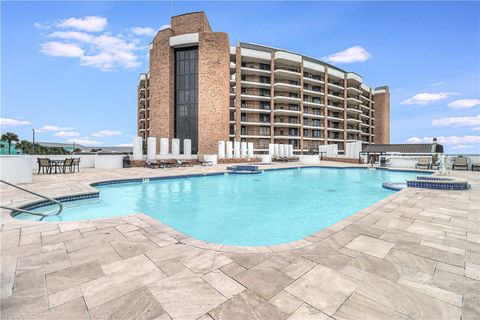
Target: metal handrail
x,y
43,215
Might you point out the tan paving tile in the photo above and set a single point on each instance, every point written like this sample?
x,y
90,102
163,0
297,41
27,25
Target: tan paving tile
x,y
306,312
206,262
298,267
247,305
75,309
104,253
139,304
232,269
322,288
286,302
185,295
375,247
434,292
51,261
223,283
472,271
64,296
407,301
120,278
266,282
359,307
73,276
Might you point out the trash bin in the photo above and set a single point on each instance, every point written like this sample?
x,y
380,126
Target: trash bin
x,y
126,162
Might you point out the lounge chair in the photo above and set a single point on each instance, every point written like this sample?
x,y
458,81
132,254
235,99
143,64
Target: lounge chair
x,y
278,159
202,161
423,162
76,164
44,165
153,164
461,162
185,163
68,163
168,163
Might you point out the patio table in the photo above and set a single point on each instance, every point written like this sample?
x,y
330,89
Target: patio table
x,y
56,164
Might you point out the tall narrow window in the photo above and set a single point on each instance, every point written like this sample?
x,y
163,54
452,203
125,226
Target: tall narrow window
x,y
186,96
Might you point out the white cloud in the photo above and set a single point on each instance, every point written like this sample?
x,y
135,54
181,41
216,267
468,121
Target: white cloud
x,y
457,121
103,51
165,26
60,49
107,133
426,98
66,134
125,145
109,52
41,26
476,128
447,140
84,140
49,127
72,35
143,31
352,54
464,103
89,23
13,122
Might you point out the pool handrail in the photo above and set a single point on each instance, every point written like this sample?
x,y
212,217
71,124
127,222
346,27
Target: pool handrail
x,y
43,215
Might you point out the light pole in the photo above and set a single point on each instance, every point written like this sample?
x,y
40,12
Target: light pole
x,y
33,144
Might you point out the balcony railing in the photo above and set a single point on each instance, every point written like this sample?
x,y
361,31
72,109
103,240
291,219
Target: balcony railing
x,y
285,68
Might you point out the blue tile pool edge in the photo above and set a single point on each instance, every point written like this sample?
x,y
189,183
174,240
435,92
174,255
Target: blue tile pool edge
x,y
96,194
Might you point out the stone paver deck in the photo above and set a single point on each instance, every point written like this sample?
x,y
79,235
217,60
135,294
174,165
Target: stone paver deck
x,y
413,255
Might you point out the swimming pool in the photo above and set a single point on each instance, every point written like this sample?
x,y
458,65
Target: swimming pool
x,y
274,207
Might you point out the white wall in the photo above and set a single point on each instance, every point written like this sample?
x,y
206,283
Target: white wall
x,y
86,160
16,169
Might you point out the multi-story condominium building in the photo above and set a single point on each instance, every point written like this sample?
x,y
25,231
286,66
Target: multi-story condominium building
x,y
201,88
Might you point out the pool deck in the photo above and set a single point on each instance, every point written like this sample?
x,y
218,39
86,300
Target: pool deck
x,y
413,255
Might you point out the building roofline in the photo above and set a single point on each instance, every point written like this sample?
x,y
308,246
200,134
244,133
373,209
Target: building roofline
x,y
187,13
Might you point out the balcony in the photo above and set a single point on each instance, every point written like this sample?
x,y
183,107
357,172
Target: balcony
x,y
354,89
255,95
312,78
287,72
353,109
335,106
287,97
335,84
354,119
290,85
255,84
313,114
354,99
251,68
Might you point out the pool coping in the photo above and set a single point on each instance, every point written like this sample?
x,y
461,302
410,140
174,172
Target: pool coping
x,y
307,241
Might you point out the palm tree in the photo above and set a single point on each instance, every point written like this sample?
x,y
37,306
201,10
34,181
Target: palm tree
x,y
9,137
25,146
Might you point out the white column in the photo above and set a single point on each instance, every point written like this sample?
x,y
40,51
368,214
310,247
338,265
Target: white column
x,y
275,149
175,147
187,147
229,148
151,148
271,149
137,148
221,149
250,150
281,150
236,149
290,150
243,149
164,146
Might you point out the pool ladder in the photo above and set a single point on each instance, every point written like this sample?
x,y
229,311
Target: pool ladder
x,y
42,215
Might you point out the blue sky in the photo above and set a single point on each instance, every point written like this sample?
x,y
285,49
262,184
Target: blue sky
x,y
70,69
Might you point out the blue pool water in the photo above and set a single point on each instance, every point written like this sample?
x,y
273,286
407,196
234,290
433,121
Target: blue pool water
x,y
269,208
